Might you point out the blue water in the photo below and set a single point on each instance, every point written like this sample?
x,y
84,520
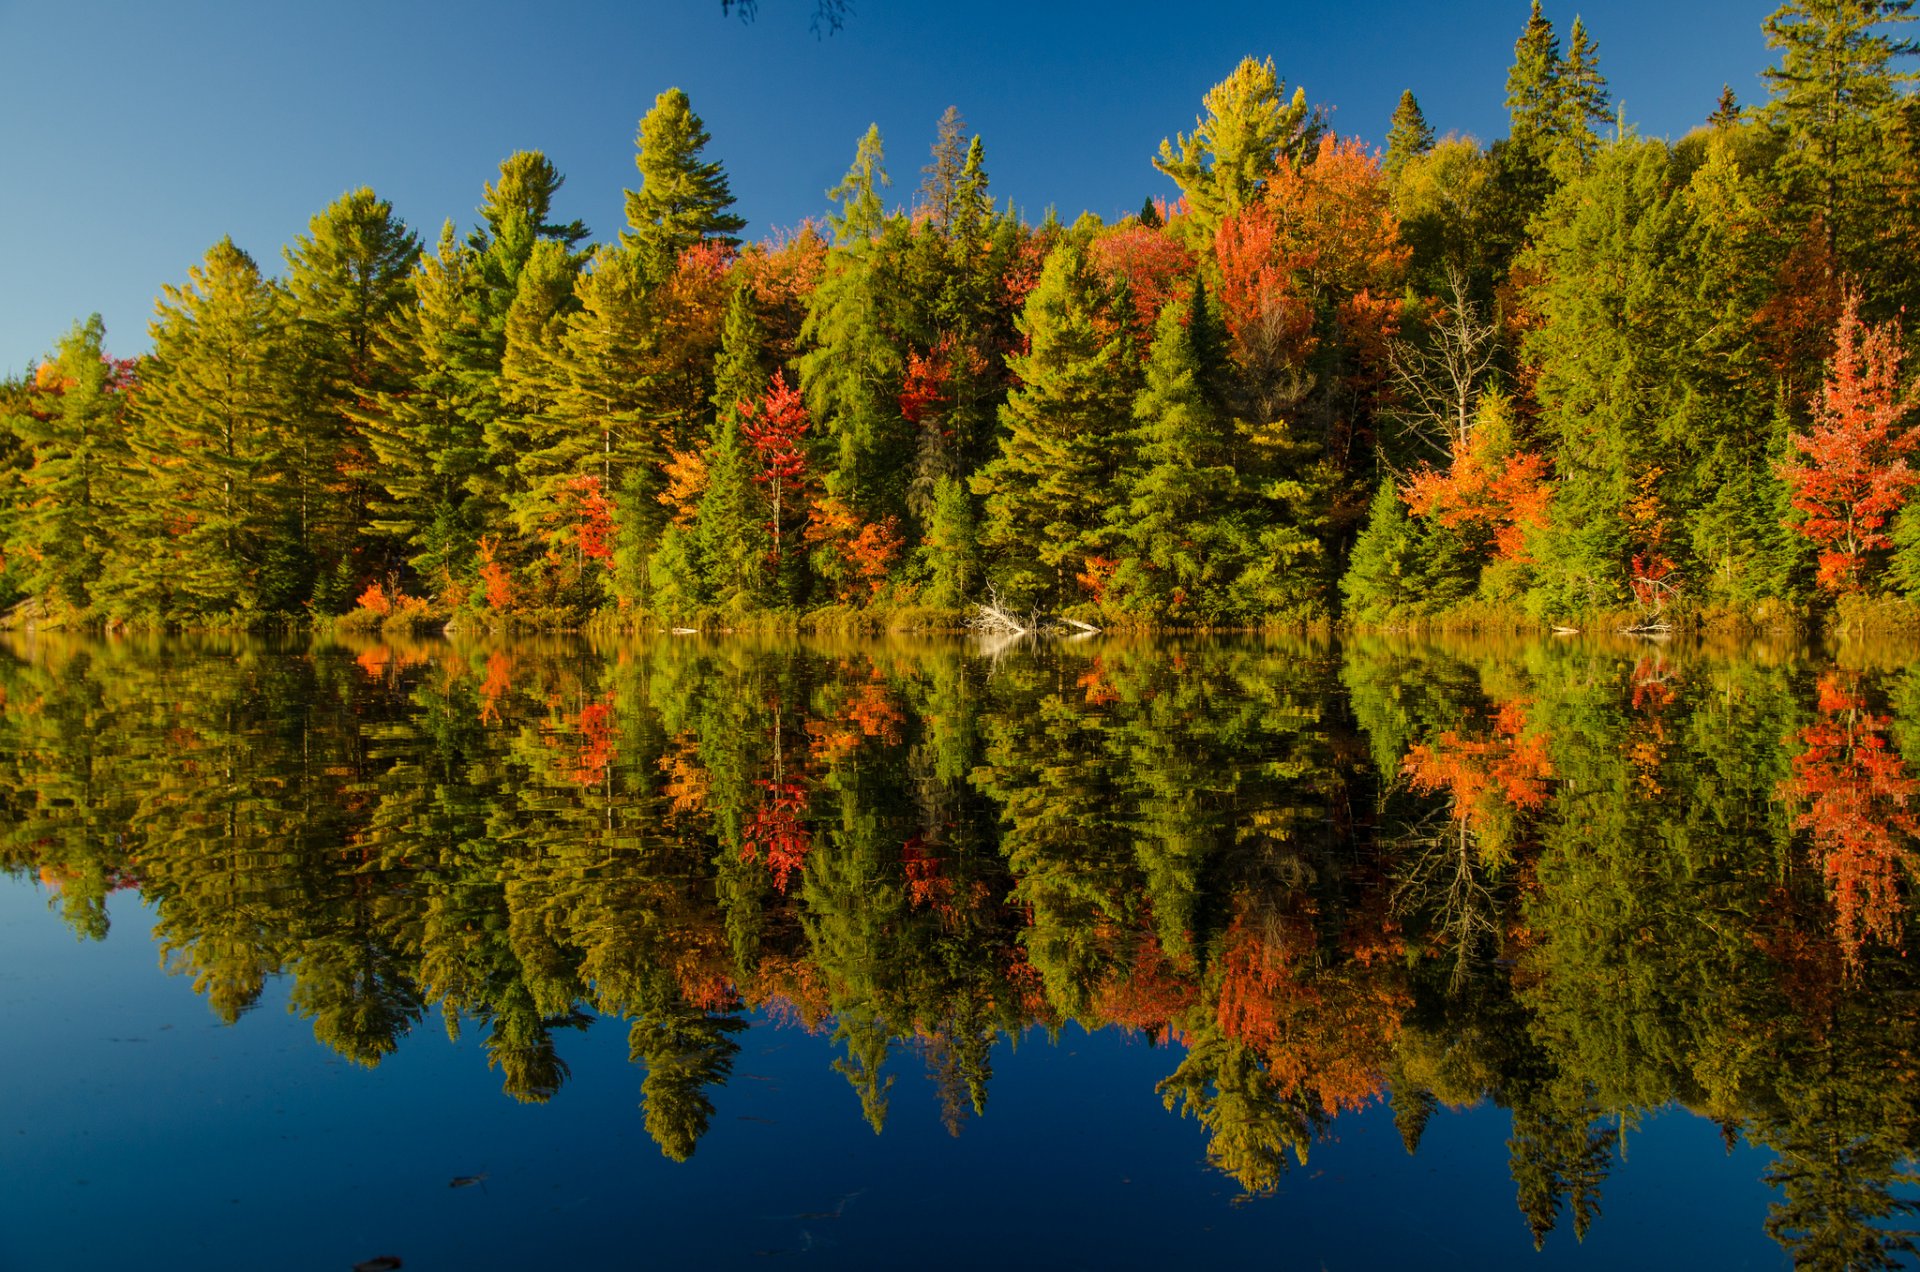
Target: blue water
x,y
139,1132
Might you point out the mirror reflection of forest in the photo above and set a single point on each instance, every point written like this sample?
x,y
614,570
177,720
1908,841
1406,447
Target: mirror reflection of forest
x,y
1583,881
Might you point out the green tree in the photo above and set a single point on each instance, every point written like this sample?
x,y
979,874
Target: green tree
x,y
214,487
1833,98
682,200
347,279
68,502
1409,135
1246,130
1047,493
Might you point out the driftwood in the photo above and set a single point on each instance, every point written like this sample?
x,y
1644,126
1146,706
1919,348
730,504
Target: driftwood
x,y
991,618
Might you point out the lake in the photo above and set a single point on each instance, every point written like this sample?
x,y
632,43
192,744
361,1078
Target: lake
x,y
1110,952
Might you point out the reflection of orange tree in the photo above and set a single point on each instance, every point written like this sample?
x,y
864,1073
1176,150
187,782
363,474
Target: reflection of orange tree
x,y
1488,777
1858,801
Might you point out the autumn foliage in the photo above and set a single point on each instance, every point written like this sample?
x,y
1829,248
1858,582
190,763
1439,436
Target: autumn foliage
x,y
1851,474
1859,808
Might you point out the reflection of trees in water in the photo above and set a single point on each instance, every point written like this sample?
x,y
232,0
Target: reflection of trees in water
x,y
1550,876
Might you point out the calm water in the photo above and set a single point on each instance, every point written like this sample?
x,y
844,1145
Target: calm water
x,y
1088,955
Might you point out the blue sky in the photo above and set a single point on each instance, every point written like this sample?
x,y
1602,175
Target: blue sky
x,y
134,134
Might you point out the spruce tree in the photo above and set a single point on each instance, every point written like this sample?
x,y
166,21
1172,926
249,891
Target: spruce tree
x,y
1182,484
732,542
1047,493
1410,135
682,200
1584,105
1834,96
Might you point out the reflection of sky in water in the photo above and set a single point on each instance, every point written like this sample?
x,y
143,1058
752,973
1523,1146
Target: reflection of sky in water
x,y
253,1147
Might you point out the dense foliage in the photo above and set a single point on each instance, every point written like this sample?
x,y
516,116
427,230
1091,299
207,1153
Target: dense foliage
x,y
1573,372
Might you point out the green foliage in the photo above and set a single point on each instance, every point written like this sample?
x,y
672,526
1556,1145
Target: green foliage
x,y
682,199
1248,126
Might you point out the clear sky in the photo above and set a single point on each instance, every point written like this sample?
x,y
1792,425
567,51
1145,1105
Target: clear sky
x,y
134,133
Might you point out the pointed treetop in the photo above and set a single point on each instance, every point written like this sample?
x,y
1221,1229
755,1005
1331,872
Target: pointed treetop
x,y
858,194
1410,135
681,200
1584,104
940,189
1533,83
1726,111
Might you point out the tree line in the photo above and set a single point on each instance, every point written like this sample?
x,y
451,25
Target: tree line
x,y
1576,371
1583,883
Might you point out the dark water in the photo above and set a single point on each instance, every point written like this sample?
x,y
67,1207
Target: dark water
x,y
1114,953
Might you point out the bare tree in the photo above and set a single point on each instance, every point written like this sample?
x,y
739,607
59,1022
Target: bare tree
x,y
1439,378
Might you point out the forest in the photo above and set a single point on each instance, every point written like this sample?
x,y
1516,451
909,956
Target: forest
x,y
1582,882
1572,376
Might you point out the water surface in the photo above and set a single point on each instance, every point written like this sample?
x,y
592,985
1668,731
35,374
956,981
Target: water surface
x,y
1096,954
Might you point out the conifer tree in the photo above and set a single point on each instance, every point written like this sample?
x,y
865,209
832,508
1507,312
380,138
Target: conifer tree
x,y
1409,135
1182,486
428,438
1534,94
1583,100
1046,493
1245,132
214,485
940,186
346,279
732,539
682,200
1833,98
75,432
861,213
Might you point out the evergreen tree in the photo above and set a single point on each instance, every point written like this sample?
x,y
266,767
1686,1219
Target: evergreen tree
x,y
1583,100
1535,110
75,432
681,200
346,280
213,485
428,437
1245,132
732,540
1833,98
1182,486
1047,492
1410,135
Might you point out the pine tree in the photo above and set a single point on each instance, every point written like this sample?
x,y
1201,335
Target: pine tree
x,y
1726,111
428,438
346,280
214,486
75,432
681,200
1245,132
950,551
1410,135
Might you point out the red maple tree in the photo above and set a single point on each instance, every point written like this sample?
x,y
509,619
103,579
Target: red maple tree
x,y
775,426
1853,474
